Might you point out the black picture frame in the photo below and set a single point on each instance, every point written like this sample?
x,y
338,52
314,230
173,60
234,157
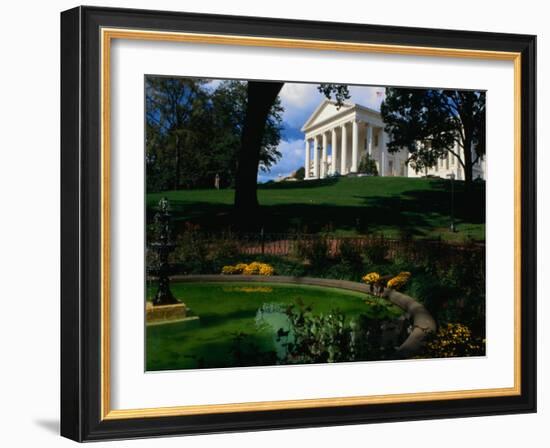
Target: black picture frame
x,y
81,381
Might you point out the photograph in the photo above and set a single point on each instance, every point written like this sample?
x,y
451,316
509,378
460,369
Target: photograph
x,y
291,223
273,223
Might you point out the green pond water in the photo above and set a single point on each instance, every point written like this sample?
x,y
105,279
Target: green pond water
x,y
251,312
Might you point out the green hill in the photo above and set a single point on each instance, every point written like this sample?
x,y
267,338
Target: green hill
x,y
393,206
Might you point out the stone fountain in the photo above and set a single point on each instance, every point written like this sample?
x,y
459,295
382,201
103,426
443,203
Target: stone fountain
x,y
165,307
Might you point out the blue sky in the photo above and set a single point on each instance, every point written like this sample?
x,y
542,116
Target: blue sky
x,y
299,101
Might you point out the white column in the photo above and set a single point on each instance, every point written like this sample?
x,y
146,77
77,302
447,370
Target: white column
x,y
315,159
369,140
354,147
307,161
333,157
344,158
324,157
383,153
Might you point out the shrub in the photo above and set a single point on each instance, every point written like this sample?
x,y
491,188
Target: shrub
x,y
367,165
230,270
466,278
399,281
254,268
224,249
257,268
191,252
371,278
318,338
376,251
300,173
454,340
340,271
368,332
350,253
332,338
453,293
300,247
288,267
240,267
314,250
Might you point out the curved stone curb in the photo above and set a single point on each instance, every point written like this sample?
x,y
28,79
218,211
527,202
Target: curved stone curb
x,y
423,322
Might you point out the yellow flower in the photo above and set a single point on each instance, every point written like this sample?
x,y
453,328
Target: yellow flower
x,y
240,267
371,278
230,270
399,280
266,270
254,289
254,268
454,340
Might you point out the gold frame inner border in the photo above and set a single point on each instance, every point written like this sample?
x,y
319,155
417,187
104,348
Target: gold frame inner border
x,y
107,36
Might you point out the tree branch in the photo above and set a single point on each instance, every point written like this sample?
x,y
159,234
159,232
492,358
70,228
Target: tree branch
x,y
458,157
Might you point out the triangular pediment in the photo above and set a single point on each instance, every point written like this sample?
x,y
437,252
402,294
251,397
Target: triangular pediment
x,y
324,112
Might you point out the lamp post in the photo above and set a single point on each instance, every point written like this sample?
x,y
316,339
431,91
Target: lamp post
x,y
164,246
452,177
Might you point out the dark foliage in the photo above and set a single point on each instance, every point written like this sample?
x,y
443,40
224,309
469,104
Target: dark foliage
x,y
428,123
367,165
376,251
193,132
339,91
314,250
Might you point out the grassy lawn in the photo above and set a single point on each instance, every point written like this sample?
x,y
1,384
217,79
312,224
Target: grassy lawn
x,y
227,309
346,206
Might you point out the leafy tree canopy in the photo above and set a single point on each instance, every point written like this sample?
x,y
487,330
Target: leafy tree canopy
x,y
193,132
339,91
429,123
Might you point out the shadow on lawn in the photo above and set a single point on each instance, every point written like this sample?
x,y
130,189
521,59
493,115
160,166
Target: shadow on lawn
x,y
413,212
468,207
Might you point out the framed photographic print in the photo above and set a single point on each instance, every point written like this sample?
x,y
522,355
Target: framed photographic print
x,y
274,223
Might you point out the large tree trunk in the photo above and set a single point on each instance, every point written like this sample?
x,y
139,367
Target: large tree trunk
x,y
468,100
261,97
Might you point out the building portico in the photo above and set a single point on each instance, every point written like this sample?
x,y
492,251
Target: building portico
x,y
337,138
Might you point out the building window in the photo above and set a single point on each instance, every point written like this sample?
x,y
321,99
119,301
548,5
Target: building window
x,y
375,138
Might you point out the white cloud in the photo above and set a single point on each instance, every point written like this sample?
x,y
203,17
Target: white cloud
x,y
297,94
292,158
299,101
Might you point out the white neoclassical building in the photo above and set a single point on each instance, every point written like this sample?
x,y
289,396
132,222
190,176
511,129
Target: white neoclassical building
x,y
337,138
